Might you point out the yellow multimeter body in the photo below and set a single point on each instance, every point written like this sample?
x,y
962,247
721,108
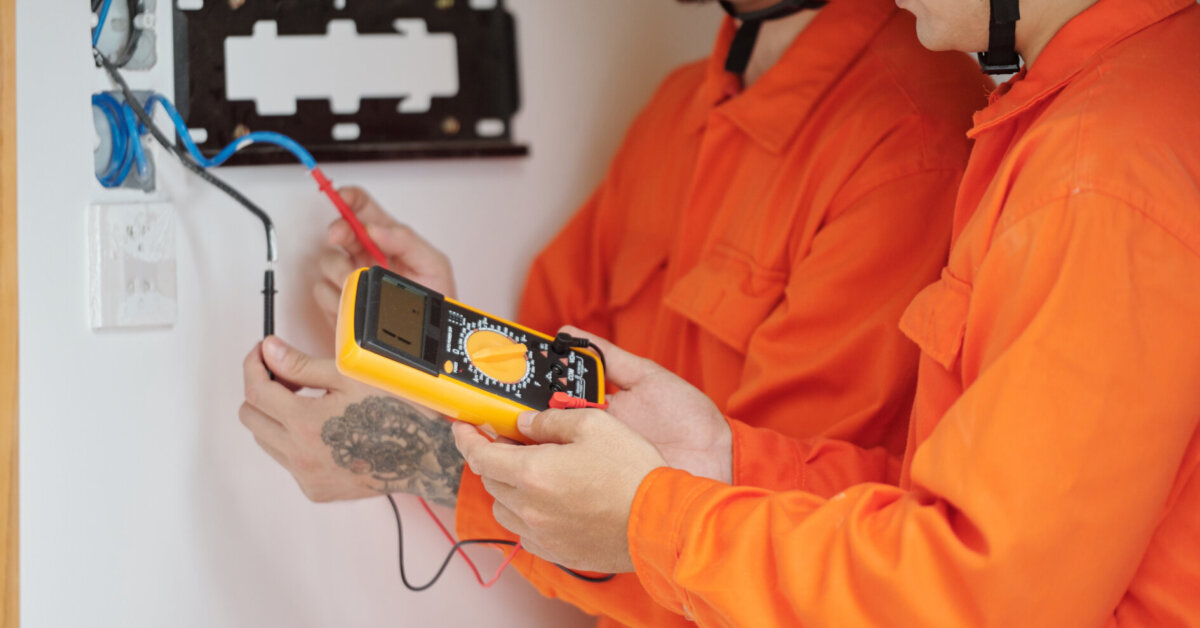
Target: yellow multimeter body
x,y
399,336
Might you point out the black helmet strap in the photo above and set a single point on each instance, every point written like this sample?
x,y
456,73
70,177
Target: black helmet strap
x,y
1002,57
747,34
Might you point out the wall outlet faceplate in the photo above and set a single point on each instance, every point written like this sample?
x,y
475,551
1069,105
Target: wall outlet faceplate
x,y
132,265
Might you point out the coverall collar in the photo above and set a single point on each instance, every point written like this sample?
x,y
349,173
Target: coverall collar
x,y
775,107
1072,49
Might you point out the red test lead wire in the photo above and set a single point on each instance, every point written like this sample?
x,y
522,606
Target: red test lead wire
x,y
360,232
563,401
470,563
463,554
502,567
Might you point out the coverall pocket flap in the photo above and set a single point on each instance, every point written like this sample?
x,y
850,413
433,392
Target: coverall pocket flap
x,y
639,260
727,296
937,319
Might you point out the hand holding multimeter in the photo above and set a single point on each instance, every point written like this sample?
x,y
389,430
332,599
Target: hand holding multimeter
x,y
399,336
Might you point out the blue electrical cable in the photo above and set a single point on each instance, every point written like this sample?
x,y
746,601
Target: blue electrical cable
x,y
100,25
139,153
265,137
121,158
127,146
127,131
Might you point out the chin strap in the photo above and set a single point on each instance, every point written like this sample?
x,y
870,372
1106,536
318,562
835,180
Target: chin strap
x,y
1002,57
747,34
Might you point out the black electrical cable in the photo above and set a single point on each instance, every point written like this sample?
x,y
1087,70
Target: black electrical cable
x,y
272,254
140,111
134,8
455,548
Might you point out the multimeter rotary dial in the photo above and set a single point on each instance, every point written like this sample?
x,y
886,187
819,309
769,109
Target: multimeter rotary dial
x,y
497,356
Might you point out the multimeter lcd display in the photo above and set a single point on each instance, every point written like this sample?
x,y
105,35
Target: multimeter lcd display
x,y
401,318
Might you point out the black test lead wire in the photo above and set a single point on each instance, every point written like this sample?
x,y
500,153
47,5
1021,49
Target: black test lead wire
x,y
561,344
450,555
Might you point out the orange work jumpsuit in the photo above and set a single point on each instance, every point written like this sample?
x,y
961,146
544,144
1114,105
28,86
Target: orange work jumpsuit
x,y
1052,476
763,244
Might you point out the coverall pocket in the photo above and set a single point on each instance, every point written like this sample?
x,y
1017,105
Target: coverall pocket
x,y
937,319
728,295
640,259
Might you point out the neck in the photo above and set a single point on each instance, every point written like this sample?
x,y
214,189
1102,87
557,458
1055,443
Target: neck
x,y
1041,22
774,40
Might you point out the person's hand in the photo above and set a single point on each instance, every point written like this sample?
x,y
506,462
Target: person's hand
x,y
350,442
569,498
408,254
685,425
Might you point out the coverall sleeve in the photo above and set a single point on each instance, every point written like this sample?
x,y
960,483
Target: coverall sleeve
x,y
852,283
820,466
1029,502
831,352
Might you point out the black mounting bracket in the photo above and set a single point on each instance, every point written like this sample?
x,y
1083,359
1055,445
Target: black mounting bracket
x,y
487,79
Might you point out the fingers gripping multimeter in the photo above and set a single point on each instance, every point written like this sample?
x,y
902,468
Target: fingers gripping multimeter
x,y
404,338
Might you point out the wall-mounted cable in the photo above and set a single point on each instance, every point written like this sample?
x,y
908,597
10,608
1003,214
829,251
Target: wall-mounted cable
x,y
121,153
133,105
133,8
104,8
134,120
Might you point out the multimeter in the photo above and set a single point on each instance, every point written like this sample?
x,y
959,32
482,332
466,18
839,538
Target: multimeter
x,y
402,337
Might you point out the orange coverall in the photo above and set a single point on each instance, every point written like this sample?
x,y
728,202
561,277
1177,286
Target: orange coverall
x,y
1052,476
764,244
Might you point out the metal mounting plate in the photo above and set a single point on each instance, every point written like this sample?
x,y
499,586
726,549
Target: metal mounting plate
x,y
474,122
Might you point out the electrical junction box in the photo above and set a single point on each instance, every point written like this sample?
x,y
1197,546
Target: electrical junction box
x,y
133,265
129,38
105,157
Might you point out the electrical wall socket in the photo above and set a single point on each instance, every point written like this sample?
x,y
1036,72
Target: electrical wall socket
x,y
132,274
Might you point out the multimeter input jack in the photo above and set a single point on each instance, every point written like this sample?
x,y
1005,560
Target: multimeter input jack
x,y
564,342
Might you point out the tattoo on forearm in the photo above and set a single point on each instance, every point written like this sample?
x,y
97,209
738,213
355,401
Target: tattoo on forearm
x,y
400,448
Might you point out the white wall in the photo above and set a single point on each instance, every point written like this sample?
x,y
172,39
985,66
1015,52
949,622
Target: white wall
x,y
143,500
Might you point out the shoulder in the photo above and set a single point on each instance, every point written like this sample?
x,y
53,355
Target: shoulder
x,y
674,95
899,90
1126,128
683,80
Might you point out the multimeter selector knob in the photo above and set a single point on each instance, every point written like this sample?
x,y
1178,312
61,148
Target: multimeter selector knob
x,y
498,356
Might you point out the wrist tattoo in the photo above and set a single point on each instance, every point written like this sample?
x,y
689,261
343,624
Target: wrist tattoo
x,y
401,449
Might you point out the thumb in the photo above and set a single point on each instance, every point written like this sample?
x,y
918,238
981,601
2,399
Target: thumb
x,y
552,426
622,368
299,368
